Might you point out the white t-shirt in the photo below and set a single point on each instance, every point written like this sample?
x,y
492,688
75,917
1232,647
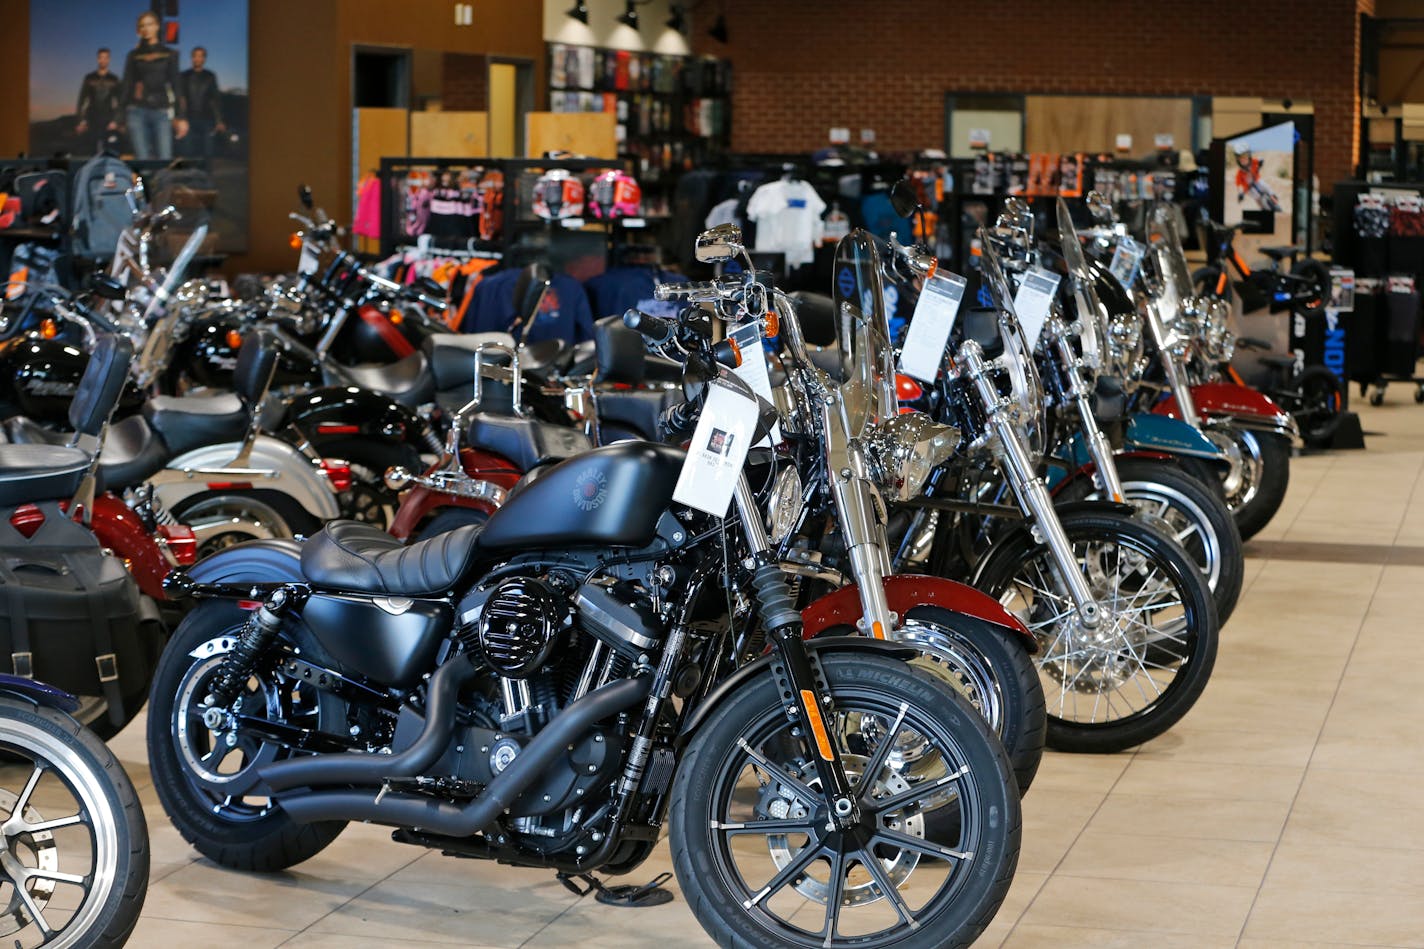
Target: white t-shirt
x,y
724,212
788,219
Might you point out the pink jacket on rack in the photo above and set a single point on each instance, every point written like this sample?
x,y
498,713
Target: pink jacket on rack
x,y
368,208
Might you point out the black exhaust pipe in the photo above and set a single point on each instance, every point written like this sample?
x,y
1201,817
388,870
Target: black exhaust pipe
x,y
452,820
441,695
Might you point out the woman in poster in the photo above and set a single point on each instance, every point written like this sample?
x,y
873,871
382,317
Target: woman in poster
x,y
150,95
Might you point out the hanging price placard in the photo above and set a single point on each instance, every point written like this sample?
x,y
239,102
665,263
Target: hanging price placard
x,y
718,449
1125,261
923,352
1034,301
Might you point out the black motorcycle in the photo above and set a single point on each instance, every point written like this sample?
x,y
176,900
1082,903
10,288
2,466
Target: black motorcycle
x,y
547,689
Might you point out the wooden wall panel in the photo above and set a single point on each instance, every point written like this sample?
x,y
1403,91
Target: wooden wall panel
x,y
1092,123
449,134
583,133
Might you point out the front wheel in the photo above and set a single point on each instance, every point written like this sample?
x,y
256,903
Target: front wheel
x,y
1265,475
992,672
73,845
748,827
1133,674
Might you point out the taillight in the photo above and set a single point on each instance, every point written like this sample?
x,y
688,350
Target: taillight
x,y
337,428
338,474
907,389
182,543
49,329
27,519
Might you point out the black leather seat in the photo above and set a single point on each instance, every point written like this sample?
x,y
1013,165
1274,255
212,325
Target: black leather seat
x,y
408,381
30,473
360,558
192,421
525,442
1281,253
637,410
23,430
452,356
132,454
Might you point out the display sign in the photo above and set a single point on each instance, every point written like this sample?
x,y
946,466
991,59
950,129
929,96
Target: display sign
x,y
1034,301
979,138
867,136
718,449
1123,142
752,369
839,136
1165,141
1342,290
1125,261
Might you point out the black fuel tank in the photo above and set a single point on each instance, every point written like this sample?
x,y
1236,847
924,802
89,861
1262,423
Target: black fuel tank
x,y
392,640
610,496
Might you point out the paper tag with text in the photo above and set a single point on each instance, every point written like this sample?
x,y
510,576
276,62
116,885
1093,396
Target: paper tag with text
x,y
753,369
1034,301
935,311
718,450
1125,261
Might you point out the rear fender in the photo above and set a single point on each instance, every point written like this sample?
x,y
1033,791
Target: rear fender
x,y
285,470
256,561
904,592
762,666
348,422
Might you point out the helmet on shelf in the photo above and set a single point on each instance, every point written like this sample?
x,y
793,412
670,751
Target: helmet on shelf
x,y
558,195
615,194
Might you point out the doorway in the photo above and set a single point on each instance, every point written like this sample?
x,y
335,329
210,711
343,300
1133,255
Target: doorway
x,y
511,98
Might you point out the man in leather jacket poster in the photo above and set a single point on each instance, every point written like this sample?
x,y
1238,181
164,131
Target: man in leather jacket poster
x,y
98,106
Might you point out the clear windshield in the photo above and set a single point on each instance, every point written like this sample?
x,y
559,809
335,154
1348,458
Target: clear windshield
x,y
1017,359
863,331
1167,248
1092,315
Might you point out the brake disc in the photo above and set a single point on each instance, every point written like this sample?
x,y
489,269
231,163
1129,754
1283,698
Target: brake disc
x,y
34,851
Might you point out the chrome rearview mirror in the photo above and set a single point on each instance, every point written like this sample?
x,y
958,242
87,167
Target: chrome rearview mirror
x,y
719,244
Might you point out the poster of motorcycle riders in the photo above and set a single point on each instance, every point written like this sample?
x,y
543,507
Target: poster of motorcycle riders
x,y
1259,173
151,82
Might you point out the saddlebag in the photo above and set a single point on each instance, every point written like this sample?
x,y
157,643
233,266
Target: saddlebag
x,y
70,614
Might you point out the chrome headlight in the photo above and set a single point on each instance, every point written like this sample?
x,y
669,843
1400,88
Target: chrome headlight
x,y
903,450
784,509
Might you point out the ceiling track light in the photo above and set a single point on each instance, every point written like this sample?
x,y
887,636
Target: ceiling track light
x,y
719,29
630,15
579,11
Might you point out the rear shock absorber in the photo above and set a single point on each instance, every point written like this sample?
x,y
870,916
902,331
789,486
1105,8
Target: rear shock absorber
x,y
257,634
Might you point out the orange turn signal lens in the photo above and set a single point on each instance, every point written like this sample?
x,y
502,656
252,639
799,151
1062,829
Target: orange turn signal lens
x,y
49,329
771,325
736,351
234,339
295,241
397,317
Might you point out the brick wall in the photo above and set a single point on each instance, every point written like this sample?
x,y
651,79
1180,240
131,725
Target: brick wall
x,y
803,66
464,83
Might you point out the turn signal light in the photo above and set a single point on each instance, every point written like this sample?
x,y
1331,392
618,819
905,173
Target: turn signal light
x,y
338,474
27,519
396,317
49,329
771,324
182,543
234,339
295,241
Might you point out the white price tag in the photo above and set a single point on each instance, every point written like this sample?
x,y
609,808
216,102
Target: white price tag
x,y
718,450
753,369
1034,301
308,263
572,223
1125,261
923,351
633,222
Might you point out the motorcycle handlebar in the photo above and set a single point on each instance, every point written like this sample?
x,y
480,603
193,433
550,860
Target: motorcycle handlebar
x,y
700,291
678,421
657,330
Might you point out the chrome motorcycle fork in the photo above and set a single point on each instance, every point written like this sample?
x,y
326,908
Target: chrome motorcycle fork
x,y
810,702
1099,448
328,339
1032,492
1173,364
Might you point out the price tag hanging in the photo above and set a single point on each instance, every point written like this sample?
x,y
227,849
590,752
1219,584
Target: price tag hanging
x,y
718,449
1034,301
1125,261
753,369
930,326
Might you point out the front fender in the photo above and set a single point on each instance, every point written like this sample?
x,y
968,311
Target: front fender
x,y
287,470
762,665
37,693
1167,433
904,592
1242,404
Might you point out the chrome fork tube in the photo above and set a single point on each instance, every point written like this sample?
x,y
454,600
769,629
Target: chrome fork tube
x,y
866,546
1098,448
1029,488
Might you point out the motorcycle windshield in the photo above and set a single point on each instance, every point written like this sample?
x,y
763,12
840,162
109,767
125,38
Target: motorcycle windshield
x,y
1167,247
863,332
1092,315
1017,359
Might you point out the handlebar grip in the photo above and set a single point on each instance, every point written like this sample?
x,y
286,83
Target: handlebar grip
x,y
678,421
656,329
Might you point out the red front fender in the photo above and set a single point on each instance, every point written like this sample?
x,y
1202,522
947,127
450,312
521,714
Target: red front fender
x,y
906,591
1225,398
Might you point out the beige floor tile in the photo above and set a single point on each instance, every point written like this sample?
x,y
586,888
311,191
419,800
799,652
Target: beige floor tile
x,y
1141,906
1188,741
311,940
1201,817
1074,937
1052,821
1151,776
1091,773
155,932
1348,868
1249,943
592,924
1284,912
1167,859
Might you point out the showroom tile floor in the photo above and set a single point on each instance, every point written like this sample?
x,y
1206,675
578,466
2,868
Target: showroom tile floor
x,y
1283,811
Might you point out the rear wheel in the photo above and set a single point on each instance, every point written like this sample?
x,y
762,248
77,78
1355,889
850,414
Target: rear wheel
x,y
207,778
1321,397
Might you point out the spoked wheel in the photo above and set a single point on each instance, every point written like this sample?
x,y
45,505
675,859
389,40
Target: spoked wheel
x,y
1135,672
73,845
1320,399
368,500
205,770
749,824
1193,515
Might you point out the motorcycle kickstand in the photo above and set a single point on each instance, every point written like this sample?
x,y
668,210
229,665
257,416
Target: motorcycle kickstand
x,y
652,893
